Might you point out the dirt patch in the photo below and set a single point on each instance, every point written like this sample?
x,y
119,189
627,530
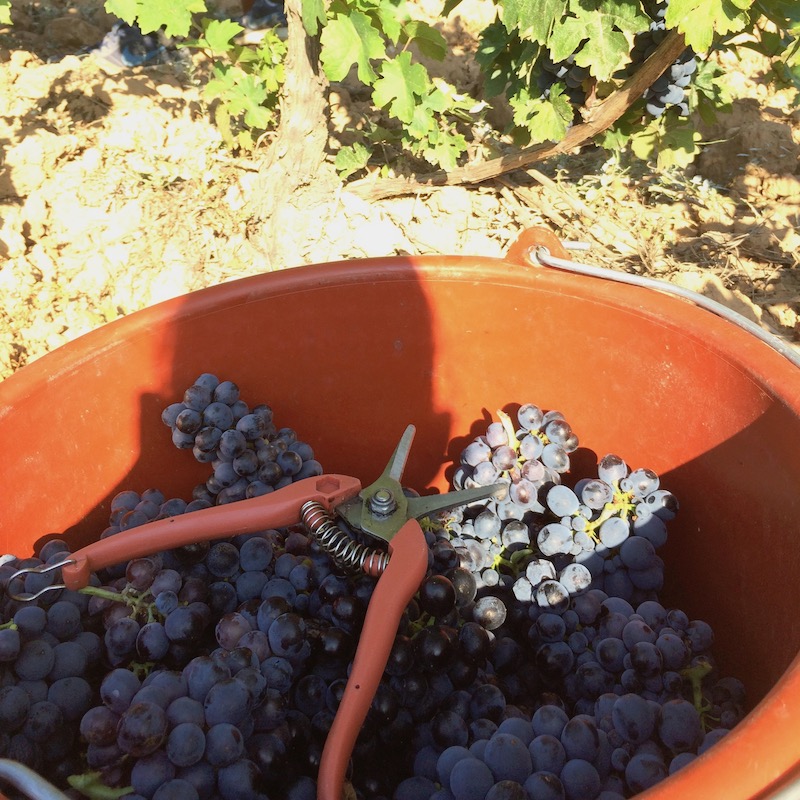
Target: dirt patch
x,y
116,192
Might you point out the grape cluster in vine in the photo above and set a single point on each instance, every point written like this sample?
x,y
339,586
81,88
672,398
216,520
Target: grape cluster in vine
x,y
669,89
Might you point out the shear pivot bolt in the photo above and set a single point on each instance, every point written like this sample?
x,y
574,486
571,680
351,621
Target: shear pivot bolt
x,y
382,502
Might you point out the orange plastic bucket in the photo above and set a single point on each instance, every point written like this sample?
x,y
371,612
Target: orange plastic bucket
x,y
350,353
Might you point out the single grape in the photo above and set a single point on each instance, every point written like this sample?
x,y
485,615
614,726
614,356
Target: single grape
x,y
575,577
186,744
489,612
612,469
643,771
496,435
470,779
530,417
554,538
552,595
614,532
508,758
540,569
437,595
580,779
562,501
531,447
142,729
476,452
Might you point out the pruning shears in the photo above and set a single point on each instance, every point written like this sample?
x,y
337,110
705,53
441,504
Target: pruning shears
x,y
391,546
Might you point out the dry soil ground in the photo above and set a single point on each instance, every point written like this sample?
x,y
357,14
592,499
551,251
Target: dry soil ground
x,y
116,192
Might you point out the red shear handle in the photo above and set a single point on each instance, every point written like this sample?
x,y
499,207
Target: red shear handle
x,y
273,510
394,590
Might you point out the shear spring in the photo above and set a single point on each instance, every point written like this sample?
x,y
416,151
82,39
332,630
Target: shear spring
x,y
347,552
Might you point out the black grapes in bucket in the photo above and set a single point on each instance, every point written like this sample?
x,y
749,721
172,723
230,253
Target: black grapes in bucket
x,y
249,455
535,661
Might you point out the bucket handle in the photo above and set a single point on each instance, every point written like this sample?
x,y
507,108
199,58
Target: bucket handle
x,y
538,246
30,783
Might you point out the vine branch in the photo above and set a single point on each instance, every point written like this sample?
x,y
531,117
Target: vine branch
x,y
602,117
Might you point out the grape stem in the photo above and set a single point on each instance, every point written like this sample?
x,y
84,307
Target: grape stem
x,y
131,598
695,675
518,560
508,426
91,785
141,668
621,505
424,620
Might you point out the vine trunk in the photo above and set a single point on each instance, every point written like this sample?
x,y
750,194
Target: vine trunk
x,y
295,179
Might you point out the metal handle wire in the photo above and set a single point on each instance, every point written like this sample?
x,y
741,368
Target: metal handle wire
x,y
542,256
28,782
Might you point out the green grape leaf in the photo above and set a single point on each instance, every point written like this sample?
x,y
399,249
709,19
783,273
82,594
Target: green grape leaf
x,y
245,140
604,26
175,16
680,145
546,120
699,20
448,7
504,60
377,134
5,12
644,141
438,100
789,71
351,159
400,86
222,119
422,122
566,39
770,44
613,139
619,134
784,13
390,20
313,13
493,57
270,57
708,108
249,100
91,784
240,93
430,42
347,40
711,81
533,18
494,40
444,148
219,33
126,10
673,143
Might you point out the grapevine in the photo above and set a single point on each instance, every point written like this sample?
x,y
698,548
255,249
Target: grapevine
x,y
573,73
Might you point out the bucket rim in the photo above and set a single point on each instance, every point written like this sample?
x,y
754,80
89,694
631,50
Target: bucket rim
x,y
753,357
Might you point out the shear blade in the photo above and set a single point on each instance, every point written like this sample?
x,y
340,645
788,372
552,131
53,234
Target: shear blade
x,y
397,463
